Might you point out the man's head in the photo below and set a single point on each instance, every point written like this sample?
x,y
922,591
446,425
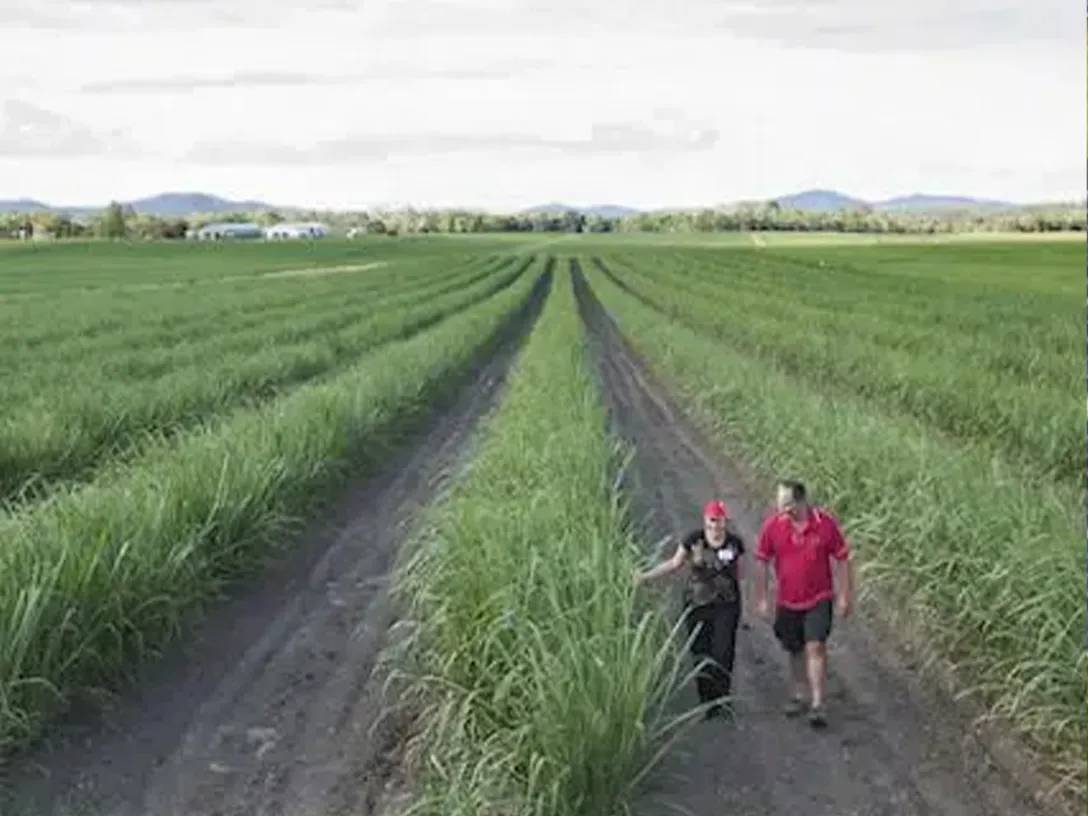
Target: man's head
x,y
715,514
792,498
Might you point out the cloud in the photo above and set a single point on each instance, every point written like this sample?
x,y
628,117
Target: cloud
x,y
27,15
29,131
120,15
848,25
668,133
282,79
865,26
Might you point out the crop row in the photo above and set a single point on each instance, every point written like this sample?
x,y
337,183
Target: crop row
x,y
1019,335
150,353
1029,424
985,559
65,431
96,578
540,685
115,321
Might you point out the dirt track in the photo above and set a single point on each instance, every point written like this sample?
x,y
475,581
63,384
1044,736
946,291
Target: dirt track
x,y
270,707
892,748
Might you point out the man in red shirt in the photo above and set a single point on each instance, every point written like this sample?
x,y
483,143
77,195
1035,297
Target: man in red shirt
x,y
801,540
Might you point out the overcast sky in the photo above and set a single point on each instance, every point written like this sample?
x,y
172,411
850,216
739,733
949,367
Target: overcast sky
x,y
508,103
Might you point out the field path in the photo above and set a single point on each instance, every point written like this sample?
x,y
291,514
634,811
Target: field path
x,y
270,709
891,748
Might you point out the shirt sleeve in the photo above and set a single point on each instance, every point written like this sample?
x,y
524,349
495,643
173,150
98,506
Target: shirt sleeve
x,y
837,546
688,541
765,545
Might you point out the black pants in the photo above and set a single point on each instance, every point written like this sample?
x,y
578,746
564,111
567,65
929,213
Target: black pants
x,y
715,625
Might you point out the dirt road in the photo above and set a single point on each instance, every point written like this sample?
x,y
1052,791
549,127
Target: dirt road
x,y
270,707
892,748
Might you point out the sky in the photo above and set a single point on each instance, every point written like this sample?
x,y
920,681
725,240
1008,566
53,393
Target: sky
x,y
504,104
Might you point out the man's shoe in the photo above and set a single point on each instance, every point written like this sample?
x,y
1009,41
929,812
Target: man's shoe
x,y
817,718
794,707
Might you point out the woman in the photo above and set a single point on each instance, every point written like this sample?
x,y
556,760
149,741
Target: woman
x,y
711,599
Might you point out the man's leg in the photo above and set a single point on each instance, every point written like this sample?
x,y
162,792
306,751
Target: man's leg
x,y
817,629
789,629
799,675
816,666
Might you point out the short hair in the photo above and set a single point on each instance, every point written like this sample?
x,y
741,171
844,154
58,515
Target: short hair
x,y
796,488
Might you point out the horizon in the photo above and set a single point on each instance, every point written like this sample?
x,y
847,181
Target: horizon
x,y
501,107
543,205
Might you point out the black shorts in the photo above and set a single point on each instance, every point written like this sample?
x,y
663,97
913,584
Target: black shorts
x,y
795,628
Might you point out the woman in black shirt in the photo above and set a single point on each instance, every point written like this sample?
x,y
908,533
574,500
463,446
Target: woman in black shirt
x,y
711,599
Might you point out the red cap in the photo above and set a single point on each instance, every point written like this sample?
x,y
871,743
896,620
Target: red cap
x,y
716,509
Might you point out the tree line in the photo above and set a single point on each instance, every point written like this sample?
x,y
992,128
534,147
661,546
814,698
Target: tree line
x,y
121,222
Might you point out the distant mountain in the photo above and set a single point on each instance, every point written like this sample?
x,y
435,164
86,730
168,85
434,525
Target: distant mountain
x,y
611,211
553,207
174,205
920,202
602,210
832,200
180,204
23,205
820,201
165,205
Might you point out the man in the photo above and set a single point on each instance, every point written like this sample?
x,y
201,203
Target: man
x,y
712,601
801,540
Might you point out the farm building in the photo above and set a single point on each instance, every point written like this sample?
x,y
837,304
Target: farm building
x,y
311,229
228,230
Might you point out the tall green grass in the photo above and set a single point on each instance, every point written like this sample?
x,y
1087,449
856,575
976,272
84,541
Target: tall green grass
x,y
976,306
97,578
66,427
81,266
987,559
1017,411
543,685
120,323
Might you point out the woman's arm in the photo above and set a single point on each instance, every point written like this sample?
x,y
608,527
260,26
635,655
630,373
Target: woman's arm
x,y
673,564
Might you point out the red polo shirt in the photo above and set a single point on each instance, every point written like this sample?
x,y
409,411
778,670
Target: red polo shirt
x,y
802,556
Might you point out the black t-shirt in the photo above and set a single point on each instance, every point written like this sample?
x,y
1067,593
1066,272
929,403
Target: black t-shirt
x,y
713,569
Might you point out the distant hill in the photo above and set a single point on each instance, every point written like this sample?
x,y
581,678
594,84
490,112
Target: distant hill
x,y
919,202
553,207
832,200
612,211
165,205
180,204
820,201
174,205
23,205
603,210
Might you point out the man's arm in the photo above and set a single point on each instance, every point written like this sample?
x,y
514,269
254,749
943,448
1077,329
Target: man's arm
x,y
840,551
760,580
846,586
763,554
